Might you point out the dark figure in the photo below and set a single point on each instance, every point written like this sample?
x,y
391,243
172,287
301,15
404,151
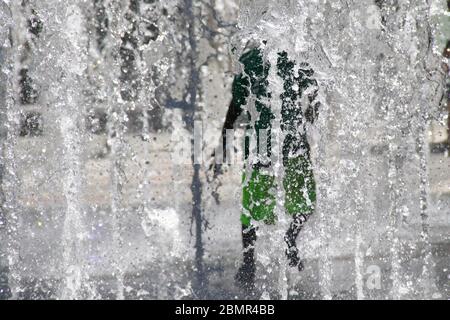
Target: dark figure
x,y
250,89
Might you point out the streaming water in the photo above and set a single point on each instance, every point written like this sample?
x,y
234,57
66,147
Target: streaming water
x,y
110,112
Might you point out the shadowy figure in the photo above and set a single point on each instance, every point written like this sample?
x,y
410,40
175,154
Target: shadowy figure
x,y
299,108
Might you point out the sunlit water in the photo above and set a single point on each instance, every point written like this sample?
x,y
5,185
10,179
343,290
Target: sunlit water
x,y
99,195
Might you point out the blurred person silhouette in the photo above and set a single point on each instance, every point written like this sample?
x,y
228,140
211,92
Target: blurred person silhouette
x,y
250,94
